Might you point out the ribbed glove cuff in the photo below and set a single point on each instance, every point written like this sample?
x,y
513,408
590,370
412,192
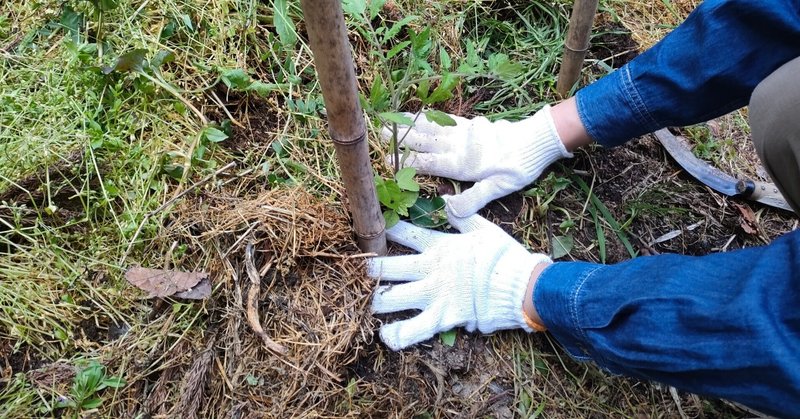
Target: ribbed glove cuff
x,y
503,308
542,146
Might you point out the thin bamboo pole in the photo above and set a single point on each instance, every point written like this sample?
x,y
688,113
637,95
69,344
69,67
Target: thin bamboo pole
x,y
334,62
576,45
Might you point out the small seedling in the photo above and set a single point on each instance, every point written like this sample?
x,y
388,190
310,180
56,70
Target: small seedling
x,y
87,383
398,194
448,338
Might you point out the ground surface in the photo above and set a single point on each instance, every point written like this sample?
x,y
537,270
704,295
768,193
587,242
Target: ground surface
x,y
101,172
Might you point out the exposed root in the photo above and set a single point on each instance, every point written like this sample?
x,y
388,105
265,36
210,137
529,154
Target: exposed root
x,y
252,304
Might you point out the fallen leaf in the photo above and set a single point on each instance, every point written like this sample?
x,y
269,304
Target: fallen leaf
x,y
562,245
163,283
748,221
198,292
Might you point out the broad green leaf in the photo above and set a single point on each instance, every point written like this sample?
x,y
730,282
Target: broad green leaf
x,y
72,22
375,7
251,380
389,193
264,89
236,79
355,8
91,403
378,95
168,30
428,213
444,59
405,179
501,66
105,5
448,338
283,23
423,90
421,43
397,118
279,147
214,135
441,118
187,21
114,382
162,57
395,29
405,200
130,61
396,49
562,246
391,218
472,62
444,90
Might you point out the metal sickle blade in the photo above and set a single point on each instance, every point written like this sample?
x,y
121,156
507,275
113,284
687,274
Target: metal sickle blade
x,y
714,178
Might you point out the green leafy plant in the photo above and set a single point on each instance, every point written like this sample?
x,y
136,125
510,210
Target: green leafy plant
x,y
414,68
88,382
401,198
238,79
546,191
398,194
448,338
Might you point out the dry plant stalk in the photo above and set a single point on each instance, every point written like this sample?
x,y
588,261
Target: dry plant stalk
x,y
334,61
194,381
576,45
252,302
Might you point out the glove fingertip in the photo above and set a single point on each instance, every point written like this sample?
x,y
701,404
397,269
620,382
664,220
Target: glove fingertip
x,y
390,335
373,268
462,205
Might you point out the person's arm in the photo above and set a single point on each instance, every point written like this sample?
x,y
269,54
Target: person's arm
x,y
706,67
725,324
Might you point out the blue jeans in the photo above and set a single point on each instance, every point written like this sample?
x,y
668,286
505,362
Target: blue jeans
x,y
706,67
727,324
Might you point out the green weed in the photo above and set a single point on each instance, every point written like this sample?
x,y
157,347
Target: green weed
x,y
88,382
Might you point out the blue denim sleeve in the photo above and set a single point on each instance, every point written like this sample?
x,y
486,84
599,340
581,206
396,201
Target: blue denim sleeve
x,y
725,324
706,67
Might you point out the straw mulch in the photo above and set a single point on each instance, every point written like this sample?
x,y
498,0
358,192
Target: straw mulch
x,y
312,300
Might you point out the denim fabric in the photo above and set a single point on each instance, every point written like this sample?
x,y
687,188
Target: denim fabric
x,y
706,67
725,324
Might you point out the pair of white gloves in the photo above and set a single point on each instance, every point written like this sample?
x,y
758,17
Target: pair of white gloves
x,y
476,279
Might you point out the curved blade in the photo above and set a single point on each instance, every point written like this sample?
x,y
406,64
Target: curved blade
x,y
678,148
700,170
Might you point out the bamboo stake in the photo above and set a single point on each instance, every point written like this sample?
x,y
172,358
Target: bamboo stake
x,y
576,45
334,61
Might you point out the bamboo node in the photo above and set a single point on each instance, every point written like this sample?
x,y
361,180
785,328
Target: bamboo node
x,y
584,49
369,236
348,142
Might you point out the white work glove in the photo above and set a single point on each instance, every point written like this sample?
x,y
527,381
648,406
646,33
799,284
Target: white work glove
x,y
502,157
476,279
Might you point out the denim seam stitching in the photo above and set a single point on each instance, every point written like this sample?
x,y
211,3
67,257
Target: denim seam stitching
x,y
590,129
642,113
574,308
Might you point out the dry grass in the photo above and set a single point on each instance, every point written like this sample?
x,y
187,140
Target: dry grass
x,y
648,22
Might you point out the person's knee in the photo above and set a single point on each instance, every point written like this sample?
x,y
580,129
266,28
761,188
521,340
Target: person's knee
x,y
774,120
775,128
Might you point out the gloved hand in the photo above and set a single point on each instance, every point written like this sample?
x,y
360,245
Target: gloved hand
x,y
476,279
502,157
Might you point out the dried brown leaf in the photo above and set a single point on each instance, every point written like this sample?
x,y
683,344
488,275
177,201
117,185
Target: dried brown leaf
x,y
200,291
163,283
748,221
